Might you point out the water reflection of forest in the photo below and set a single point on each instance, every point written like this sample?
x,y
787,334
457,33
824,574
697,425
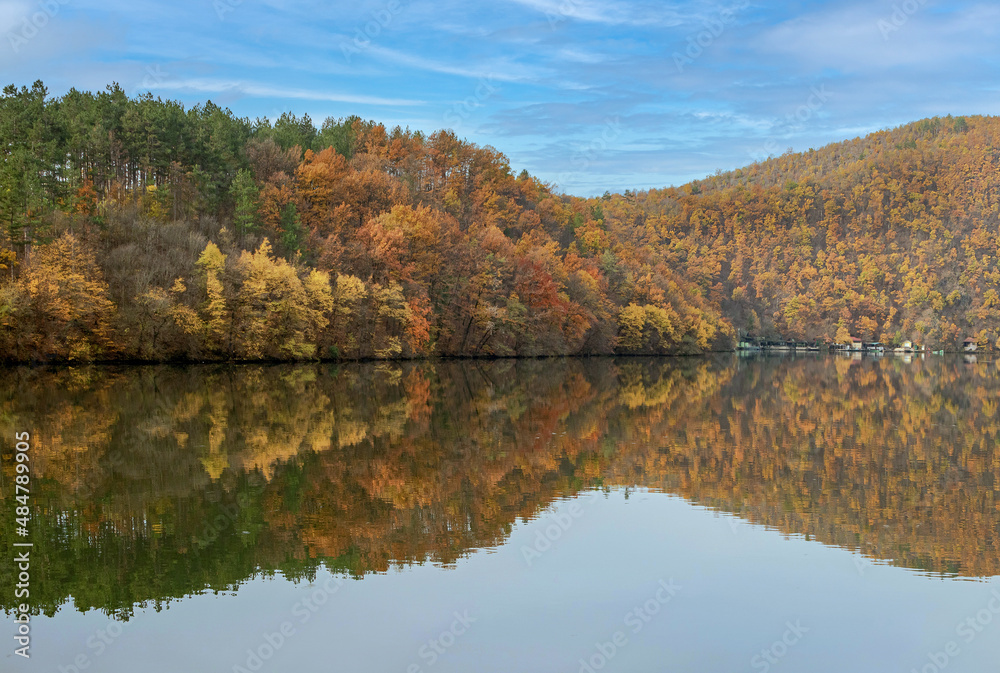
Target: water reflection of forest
x,y
155,482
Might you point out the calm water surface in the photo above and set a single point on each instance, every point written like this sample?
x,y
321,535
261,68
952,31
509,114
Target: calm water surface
x,y
705,514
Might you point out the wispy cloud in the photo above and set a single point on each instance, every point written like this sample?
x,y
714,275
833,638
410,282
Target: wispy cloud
x,y
608,13
565,67
268,91
874,37
580,56
503,69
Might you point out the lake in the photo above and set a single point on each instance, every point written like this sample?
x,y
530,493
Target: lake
x,y
721,513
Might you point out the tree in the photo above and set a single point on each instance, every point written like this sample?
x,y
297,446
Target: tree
x,y
60,304
28,185
843,334
276,314
244,193
631,326
347,296
392,316
209,323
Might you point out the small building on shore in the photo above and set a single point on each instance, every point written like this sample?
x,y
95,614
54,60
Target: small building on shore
x,y
970,345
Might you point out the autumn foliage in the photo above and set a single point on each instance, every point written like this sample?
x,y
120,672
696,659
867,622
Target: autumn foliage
x,y
216,238
157,482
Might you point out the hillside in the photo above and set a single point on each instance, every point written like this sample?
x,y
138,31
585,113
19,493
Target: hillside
x,y
135,229
888,237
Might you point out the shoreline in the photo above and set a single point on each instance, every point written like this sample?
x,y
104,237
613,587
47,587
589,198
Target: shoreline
x,y
10,364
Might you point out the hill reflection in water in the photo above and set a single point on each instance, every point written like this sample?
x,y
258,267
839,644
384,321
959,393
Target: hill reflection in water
x,y
153,483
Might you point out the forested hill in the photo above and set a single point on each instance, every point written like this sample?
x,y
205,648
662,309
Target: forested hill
x,y
890,237
136,229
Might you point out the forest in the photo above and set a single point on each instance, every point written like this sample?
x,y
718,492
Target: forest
x,y
137,230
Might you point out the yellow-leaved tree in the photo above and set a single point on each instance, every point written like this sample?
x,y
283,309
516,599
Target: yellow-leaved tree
x,y
59,307
656,329
348,295
392,317
631,321
208,324
277,314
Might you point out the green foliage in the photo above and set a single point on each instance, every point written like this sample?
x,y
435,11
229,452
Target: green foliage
x,y
28,148
291,229
244,193
290,131
340,134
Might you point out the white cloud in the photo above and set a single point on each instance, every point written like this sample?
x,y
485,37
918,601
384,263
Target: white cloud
x,y
267,91
578,56
608,13
503,70
873,38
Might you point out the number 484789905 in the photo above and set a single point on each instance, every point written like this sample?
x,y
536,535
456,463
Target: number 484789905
x,y
22,478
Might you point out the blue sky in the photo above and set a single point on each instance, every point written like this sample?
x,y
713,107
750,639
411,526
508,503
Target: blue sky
x,y
591,95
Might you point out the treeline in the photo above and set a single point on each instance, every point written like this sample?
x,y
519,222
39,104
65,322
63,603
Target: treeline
x,y
137,230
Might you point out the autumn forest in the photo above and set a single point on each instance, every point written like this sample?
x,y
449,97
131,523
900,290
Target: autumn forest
x,y
137,230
